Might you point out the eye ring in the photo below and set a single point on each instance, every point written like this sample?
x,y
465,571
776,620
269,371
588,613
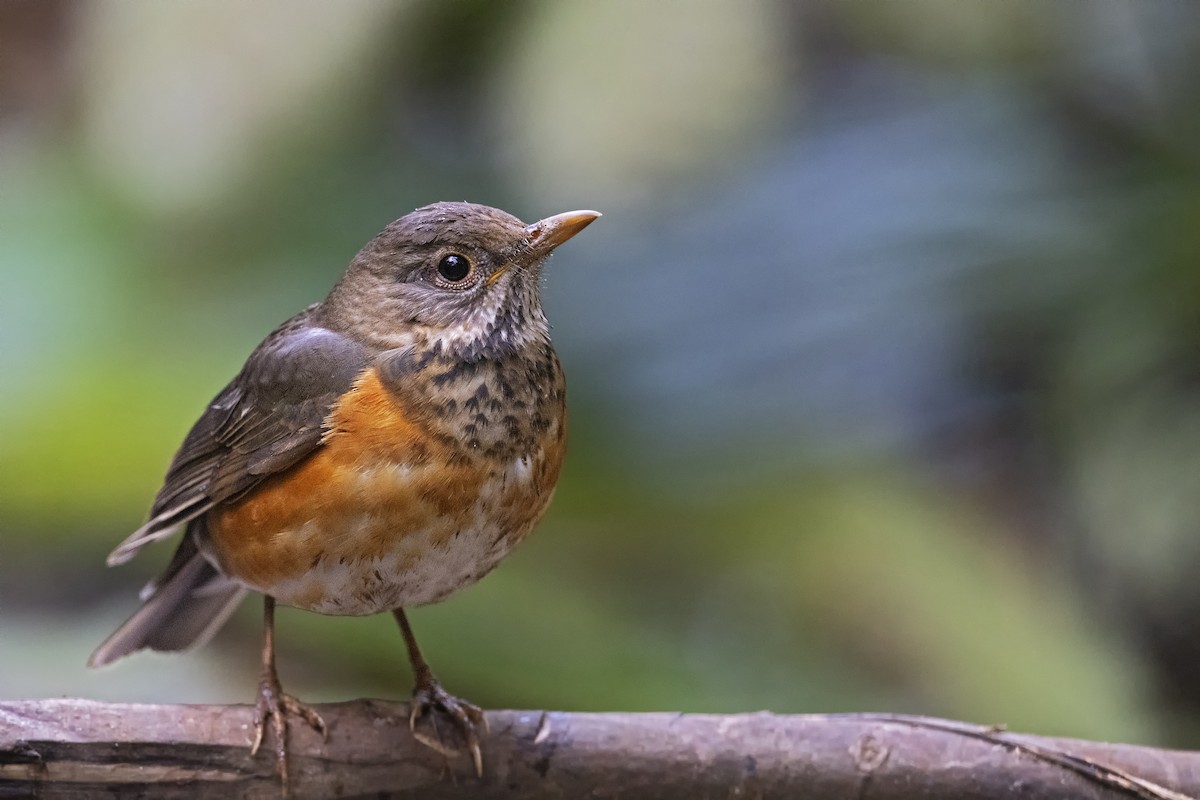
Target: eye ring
x,y
454,268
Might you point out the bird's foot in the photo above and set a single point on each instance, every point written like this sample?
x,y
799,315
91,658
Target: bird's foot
x,y
429,696
273,707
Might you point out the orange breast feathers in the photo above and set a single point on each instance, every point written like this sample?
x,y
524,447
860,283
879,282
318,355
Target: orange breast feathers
x,y
375,506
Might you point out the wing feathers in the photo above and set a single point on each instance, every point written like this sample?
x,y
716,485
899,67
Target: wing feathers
x,y
266,420
159,527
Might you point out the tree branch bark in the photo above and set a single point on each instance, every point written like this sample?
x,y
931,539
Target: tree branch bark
x,y
79,748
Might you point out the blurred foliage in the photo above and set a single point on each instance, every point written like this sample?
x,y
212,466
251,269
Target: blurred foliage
x,y
883,360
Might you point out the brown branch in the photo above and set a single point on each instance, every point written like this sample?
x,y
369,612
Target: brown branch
x,y
78,748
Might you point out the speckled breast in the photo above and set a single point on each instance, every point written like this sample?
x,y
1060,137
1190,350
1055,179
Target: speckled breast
x,y
419,489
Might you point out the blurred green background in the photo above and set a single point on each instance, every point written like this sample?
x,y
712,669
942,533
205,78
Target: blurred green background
x,y
883,360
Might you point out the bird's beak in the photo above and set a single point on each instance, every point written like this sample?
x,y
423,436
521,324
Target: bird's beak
x,y
549,233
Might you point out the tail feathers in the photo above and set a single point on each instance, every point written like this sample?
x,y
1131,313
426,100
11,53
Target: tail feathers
x,y
184,610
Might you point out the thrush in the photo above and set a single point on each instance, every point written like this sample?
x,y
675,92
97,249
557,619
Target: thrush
x,y
379,450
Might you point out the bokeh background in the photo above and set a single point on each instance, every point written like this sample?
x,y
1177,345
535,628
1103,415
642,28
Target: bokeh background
x,y
884,361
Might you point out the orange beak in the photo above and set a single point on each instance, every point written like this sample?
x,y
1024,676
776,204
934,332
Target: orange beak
x,y
549,233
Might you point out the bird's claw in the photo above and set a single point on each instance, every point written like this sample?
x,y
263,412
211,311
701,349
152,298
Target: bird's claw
x,y
273,707
466,716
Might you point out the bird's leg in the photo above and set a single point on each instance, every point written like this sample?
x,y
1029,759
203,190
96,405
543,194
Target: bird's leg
x,y
274,704
429,694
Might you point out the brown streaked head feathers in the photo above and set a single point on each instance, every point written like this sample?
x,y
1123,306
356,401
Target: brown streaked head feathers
x,y
396,289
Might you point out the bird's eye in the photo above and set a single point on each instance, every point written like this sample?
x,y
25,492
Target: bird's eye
x,y
454,268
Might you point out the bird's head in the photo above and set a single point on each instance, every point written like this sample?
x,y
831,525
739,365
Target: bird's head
x,y
465,275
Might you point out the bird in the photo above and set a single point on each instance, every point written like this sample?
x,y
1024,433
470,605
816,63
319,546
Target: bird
x,y
380,450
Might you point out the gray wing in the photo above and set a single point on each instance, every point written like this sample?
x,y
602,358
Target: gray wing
x,y
267,419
